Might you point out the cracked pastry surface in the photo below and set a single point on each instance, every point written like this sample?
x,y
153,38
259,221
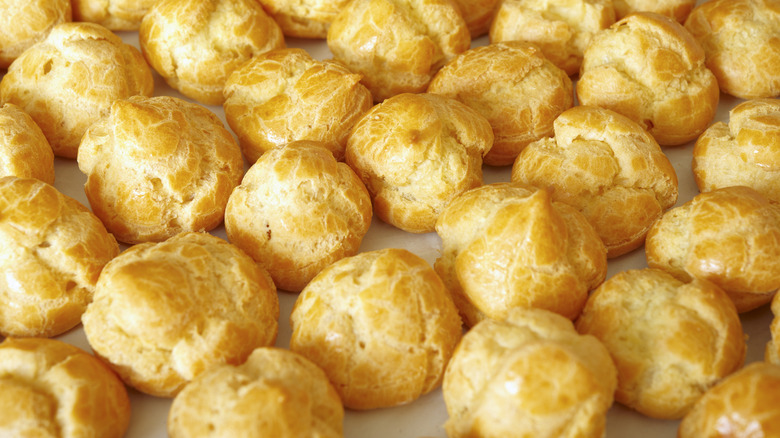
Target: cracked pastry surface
x,y
195,46
478,15
729,236
380,324
164,313
507,245
531,374
304,18
53,249
25,22
298,210
24,150
677,9
285,95
49,388
69,80
671,341
649,68
158,166
608,168
116,15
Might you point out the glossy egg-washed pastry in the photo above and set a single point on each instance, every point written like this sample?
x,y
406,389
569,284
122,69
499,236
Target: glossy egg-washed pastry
x,y
24,150
25,22
116,15
70,79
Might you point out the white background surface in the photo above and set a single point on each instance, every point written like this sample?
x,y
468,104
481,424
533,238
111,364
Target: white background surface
x,y
424,417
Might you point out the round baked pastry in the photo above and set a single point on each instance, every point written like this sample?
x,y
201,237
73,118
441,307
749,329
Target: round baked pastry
x,y
52,389
671,341
744,152
478,14
529,375
304,18
608,168
25,22
69,80
158,166
275,393
285,95
397,45
650,69
740,42
24,150
729,236
52,250
677,9
514,86
112,14
415,153
742,405
166,312
380,324
509,245
195,44
296,211
562,29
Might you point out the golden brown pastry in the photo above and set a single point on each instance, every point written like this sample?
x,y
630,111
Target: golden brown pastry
x,y
531,375
69,80
677,9
24,150
166,312
397,45
158,166
608,168
740,42
729,236
195,44
25,22
415,153
112,14
743,152
478,14
671,341
650,69
275,393
562,29
52,252
509,245
380,324
512,85
52,389
304,18
772,350
742,405
296,211
285,95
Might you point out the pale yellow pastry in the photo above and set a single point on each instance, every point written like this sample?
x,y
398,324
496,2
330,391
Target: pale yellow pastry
x,y
69,80
530,375
608,168
275,393
562,29
52,250
52,389
744,404
510,245
158,166
743,152
25,22
415,153
296,211
115,15
380,324
166,312
740,42
671,341
195,44
649,68
677,9
304,18
24,150
729,236
397,45
478,14
514,86
285,95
